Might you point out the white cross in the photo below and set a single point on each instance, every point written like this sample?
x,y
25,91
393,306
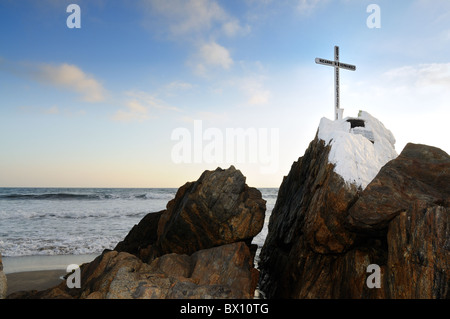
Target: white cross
x,y
336,64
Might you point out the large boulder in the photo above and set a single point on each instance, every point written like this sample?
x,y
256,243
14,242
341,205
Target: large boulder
x,y
141,236
408,204
220,272
217,209
199,247
307,231
418,264
323,233
420,172
3,281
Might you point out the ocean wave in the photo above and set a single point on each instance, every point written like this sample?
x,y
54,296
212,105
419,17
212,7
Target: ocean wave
x,y
72,196
74,245
66,196
24,215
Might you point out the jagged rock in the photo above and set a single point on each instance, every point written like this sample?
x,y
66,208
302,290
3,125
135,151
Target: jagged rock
x,y
409,200
408,239
418,264
141,236
198,248
306,224
220,272
420,172
3,281
217,209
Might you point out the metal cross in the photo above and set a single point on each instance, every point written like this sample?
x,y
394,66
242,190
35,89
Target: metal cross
x,y
337,65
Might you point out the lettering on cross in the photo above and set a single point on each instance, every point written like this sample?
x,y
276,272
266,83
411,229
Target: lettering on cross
x,y
337,65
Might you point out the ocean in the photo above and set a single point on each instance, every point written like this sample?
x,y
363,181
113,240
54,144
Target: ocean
x,y
81,221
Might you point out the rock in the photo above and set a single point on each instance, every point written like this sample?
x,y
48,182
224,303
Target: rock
x,y
418,265
323,234
3,281
420,172
307,229
220,272
217,209
408,203
141,236
199,247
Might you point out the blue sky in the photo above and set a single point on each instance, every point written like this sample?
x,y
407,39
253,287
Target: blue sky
x,y
97,106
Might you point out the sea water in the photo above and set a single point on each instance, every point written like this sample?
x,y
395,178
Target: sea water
x,y
81,221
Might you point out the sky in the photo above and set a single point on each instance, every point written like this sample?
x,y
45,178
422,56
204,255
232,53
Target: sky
x,y
150,93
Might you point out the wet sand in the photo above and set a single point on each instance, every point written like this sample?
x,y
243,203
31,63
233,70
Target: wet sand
x,y
34,280
38,272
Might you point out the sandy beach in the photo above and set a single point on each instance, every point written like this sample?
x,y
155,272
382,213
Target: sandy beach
x,y
34,280
38,272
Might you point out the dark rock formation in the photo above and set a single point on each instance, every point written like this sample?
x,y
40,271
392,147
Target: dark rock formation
x,y
419,173
198,248
323,233
221,272
217,209
418,264
141,236
408,204
306,231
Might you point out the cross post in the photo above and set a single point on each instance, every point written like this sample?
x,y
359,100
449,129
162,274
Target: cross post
x,y
337,65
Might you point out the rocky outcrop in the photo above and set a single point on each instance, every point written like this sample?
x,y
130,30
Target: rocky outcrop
x,y
419,173
221,272
418,264
324,233
199,247
408,204
3,281
306,235
217,209
141,236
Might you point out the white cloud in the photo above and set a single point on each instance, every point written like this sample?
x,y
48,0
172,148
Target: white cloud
x,y
72,78
215,55
412,101
233,28
150,101
178,85
253,88
199,23
51,110
210,56
66,76
212,118
135,112
138,107
188,17
422,77
307,6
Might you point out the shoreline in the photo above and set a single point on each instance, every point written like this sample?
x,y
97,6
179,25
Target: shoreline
x,y
39,272
32,263
34,280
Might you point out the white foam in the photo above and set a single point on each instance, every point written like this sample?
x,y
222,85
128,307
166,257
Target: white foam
x,y
357,159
